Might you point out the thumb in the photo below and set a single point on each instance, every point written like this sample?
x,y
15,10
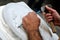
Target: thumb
x,y
50,9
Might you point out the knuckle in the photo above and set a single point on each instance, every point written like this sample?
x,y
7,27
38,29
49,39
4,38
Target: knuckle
x,y
29,13
24,18
54,10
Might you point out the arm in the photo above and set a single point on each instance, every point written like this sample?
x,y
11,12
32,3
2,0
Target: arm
x,y
31,25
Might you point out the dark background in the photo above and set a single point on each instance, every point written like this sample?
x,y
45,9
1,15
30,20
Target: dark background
x,y
36,4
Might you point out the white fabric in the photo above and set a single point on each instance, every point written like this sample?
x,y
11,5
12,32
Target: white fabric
x,y
5,32
12,15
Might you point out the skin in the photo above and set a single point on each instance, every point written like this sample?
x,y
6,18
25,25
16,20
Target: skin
x,y
31,25
53,15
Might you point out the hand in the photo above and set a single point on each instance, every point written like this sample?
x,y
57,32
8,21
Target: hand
x,y
53,15
31,22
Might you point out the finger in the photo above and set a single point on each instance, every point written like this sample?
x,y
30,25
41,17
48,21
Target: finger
x,y
57,24
32,14
48,14
25,20
50,17
50,9
25,26
49,20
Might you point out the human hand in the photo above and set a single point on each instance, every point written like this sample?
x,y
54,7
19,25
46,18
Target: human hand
x,y
31,22
53,15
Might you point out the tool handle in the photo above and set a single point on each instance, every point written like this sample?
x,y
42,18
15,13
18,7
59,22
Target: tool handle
x,y
53,27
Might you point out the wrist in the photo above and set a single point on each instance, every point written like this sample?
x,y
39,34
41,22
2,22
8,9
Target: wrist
x,y
34,35
33,32
32,28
